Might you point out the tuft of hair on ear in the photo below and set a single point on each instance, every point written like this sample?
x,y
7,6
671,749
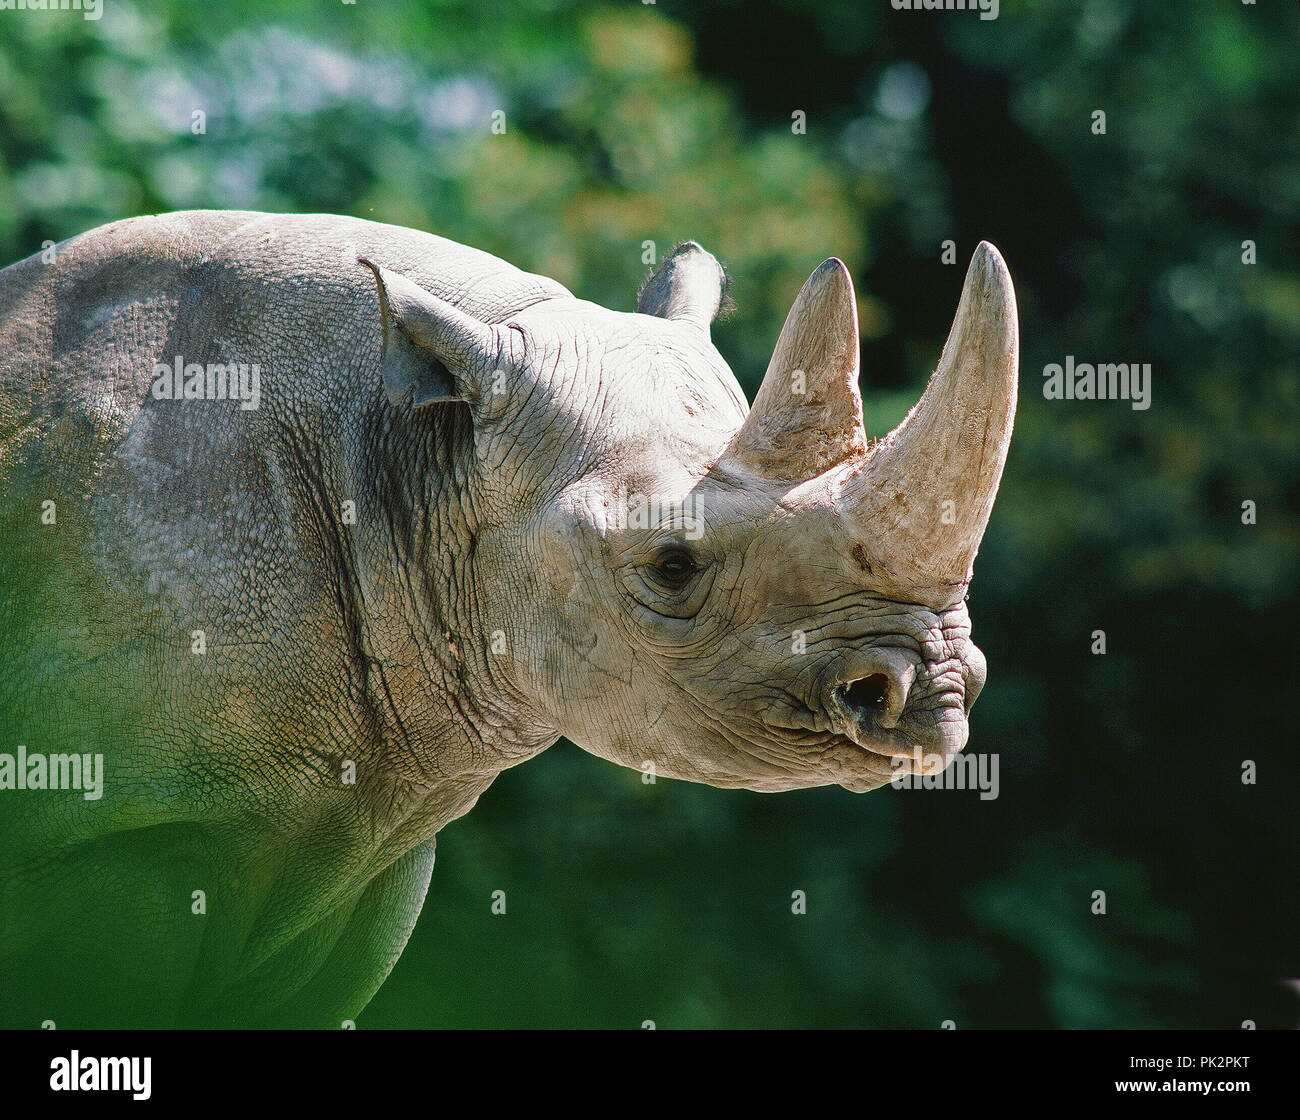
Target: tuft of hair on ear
x,y
726,305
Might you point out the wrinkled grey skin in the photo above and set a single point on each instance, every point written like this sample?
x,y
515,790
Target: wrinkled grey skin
x,y
486,598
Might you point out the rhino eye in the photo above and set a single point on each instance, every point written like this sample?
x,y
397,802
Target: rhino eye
x,y
673,567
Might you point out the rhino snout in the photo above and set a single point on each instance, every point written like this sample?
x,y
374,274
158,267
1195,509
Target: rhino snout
x,y
890,702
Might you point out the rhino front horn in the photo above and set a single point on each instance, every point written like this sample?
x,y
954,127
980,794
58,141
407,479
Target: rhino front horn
x,y
923,496
807,416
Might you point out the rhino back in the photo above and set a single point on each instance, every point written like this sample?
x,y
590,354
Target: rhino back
x,y
80,335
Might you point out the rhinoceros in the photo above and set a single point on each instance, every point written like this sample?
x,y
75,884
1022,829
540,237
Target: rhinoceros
x,y
312,526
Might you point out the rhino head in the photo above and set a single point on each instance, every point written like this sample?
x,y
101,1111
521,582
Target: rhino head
x,y
759,597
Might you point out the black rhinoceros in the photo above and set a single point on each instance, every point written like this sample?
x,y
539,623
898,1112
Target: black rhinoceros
x,y
312,526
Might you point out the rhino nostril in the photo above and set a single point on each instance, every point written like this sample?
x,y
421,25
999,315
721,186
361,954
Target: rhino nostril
x,y
877,699
869,693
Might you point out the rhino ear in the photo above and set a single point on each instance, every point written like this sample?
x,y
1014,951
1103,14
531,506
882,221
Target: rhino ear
x,y
688,287
433,351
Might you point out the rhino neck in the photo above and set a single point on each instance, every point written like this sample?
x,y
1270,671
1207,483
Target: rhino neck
x,y
431,627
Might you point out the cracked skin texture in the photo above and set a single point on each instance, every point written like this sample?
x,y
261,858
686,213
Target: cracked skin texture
x,y
428,594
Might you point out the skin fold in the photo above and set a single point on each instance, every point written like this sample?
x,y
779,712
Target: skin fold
x,y
304,636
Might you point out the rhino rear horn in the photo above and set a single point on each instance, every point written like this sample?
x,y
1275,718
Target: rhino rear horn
x,y
432,351
807,416
688,287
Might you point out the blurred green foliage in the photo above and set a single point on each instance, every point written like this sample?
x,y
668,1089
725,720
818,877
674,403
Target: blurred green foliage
x,y
628,123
